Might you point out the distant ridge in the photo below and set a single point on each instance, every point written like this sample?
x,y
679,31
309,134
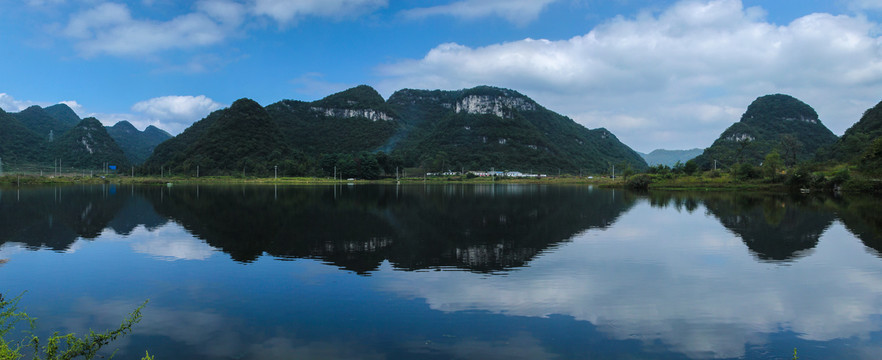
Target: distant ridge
x,y
670,157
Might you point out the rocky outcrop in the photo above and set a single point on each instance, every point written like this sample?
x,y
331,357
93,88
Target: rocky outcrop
x,y
500,106
370,114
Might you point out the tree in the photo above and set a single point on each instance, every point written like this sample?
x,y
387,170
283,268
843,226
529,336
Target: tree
x,y
691,167
772,164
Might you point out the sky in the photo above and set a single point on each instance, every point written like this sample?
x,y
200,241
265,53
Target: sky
x,y
657,74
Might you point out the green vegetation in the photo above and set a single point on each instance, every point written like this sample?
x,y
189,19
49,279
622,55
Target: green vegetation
x,y
137,145
42,123
88,146
56,346
771,123
18,143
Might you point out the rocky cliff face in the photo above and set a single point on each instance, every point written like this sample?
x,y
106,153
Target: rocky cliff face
x,y
501,106
370,114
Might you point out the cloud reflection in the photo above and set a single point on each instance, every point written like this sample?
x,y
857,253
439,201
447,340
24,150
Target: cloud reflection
x,y
698,291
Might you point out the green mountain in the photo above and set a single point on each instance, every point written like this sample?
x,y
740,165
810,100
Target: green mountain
x,y
227,141
356,133
18,144
64,114
486,127
670,157
138,145
43,123
857,144
351,121
776,122
88,146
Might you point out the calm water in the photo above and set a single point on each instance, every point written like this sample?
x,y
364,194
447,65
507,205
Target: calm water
x,y
449,272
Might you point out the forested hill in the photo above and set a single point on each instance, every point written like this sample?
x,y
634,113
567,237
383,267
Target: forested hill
x,y
347,122
137,145
861,144
88,146
18,144
241,138
486,127
779,123
358,134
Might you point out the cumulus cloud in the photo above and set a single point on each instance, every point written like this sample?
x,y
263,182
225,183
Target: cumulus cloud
x,y
517,11
175,113
109,28
687,66
10,104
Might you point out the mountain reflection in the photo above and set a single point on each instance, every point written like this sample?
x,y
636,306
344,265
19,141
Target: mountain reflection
x,y
775,227
479,228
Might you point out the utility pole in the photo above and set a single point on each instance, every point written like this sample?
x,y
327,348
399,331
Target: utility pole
x,y
715,164
277,172
197,171
161,172
335,172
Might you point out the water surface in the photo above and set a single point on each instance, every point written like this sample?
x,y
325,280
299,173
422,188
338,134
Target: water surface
x,y
449,272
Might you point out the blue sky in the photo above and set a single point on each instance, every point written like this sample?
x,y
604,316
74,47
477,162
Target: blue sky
x,y
658,74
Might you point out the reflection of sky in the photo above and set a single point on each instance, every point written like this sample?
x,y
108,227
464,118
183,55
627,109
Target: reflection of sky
x,y
656,276
697,290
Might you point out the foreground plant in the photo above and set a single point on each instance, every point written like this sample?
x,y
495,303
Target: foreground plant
x,y
56,347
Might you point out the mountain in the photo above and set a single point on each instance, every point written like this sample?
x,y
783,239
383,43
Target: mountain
x,y
350,121
43,123
776,122
137,145
64,114
88,146
486,127
857,141
227,141
670,157
18,144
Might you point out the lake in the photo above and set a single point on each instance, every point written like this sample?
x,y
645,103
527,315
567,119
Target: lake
x,y
448,271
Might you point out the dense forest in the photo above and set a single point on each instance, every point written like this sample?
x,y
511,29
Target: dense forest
x,y
772,123
357,134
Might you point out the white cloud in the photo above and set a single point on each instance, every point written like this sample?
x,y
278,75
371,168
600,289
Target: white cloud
x,y
517,11
285,11
10,104
175,113
110,29
687,66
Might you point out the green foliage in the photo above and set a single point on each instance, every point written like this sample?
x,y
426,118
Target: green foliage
x,y
241,138
18,144
639,182
691,167
854,144
871,160
41,123
137,145
771,123
772,165
747,171
56,347
88,146
527,137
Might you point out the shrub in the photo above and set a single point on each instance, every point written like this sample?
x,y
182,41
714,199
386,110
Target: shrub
x,y
639,182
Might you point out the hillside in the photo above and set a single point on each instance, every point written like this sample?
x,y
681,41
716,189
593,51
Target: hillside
x,y
18,144
776,122
42,123
486,127
64,114
137,145
88,146
670,157
227,141
350,121
857,141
